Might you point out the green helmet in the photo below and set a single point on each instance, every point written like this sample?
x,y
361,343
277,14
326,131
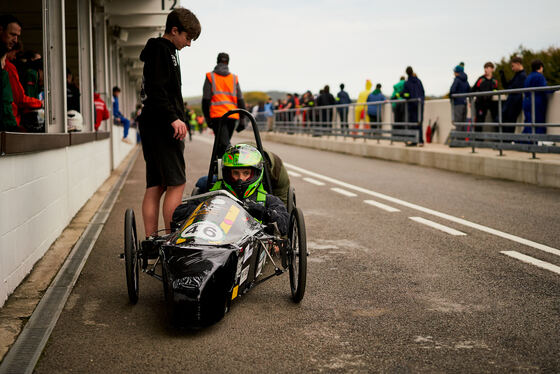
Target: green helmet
x,y
242,156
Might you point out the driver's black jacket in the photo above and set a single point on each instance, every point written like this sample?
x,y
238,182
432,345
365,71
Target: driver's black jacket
x,y
274,207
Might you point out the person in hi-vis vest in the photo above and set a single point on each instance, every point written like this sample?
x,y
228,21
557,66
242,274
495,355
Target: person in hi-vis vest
x,y
220,94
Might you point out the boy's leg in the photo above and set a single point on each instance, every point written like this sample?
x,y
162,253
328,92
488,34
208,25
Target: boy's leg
x,y
126,126
172,199
150,209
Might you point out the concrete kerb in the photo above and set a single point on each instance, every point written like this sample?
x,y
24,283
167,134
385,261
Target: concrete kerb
x,y
20,305
514,166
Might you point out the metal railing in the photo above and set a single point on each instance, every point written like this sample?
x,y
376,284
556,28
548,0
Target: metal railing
x,y
525,137
340,120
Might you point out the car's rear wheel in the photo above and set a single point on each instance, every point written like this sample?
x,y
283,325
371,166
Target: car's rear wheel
x,y
298,255
131,256
291,199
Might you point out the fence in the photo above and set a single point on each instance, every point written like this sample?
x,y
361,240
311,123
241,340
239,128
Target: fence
x,y
350,120
529,136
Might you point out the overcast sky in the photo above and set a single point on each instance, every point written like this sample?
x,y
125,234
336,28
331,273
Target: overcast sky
x,y
302,45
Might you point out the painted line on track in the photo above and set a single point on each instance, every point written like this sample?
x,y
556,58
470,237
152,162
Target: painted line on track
x,y
381,206
532,261
464,222
343,192
293,174
313,181
437,226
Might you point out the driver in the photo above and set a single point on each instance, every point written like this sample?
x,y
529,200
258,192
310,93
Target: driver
x,y
242,170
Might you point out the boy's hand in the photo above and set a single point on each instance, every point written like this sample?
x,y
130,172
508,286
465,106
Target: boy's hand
x,y
255,209
180,129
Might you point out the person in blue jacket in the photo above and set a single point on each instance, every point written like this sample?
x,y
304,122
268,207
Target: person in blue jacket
x,y
375,110
342,97
119,116
413,89
514,102
460,85
535,79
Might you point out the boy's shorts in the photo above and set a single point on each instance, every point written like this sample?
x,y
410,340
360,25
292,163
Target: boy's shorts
x,y
165,163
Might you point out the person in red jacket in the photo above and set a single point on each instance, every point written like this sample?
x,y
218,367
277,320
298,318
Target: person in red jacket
x,y
101,112
21,102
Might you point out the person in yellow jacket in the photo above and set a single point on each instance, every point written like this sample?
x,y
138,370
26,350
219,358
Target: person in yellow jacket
x,y
361,110
220,94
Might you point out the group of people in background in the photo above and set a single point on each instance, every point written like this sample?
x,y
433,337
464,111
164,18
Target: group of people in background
x,y
410,112
22,89
20,79
22,98
288,109
513,105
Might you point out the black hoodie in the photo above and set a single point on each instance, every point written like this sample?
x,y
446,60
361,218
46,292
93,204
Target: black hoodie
x,y
161,87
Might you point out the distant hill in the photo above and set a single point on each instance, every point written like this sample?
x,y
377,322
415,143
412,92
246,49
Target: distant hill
x,y
275,95
194,100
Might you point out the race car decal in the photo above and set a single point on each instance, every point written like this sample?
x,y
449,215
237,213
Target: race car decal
x,y
261,263
244,275
230,218
204,230
234,293
239,266
248,253
188,223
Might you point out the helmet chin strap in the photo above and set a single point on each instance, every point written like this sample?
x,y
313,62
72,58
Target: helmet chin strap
x,y
238,188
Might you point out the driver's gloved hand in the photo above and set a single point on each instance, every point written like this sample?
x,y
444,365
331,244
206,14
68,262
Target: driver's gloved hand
x,y
255,209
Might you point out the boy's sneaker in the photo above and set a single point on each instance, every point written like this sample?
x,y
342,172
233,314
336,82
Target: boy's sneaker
x,y
149,249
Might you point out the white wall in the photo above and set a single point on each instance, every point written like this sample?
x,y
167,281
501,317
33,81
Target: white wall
x,y
39,195
120,148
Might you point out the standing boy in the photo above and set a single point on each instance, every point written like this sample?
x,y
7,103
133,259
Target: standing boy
x,y
514,102
460,85
162,120
484,83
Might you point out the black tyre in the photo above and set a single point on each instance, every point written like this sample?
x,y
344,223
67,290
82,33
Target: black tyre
x,y
131,258
291,199
297,256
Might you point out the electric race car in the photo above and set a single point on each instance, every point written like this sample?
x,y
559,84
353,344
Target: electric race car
x,y
219,253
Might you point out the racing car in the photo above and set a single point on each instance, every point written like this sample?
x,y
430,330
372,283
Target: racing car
x,y
218,253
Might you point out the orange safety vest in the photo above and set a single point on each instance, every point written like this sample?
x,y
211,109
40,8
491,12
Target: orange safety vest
x,y
224,94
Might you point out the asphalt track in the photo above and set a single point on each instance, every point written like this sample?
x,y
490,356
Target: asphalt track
x,y
386,291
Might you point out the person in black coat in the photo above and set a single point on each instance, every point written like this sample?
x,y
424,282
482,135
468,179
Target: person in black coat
x,y
483,104
162,122
514,102
413,89
324,99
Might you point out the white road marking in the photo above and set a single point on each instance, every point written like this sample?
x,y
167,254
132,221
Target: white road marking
x,y
314,181
293,174
381,206
343,192
532,261
464,222
436,225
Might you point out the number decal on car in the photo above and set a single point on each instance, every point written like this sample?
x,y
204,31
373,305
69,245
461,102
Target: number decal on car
x,y
205,231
